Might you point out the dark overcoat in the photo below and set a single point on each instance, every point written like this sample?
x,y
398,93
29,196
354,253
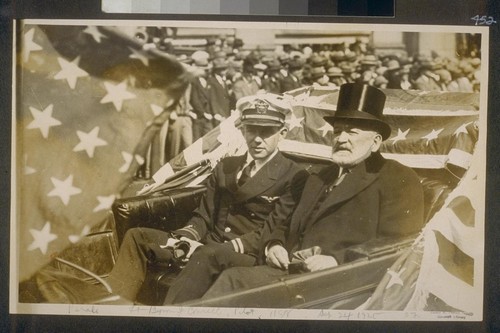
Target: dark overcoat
x,y
200,99
290,82
377,198
219,97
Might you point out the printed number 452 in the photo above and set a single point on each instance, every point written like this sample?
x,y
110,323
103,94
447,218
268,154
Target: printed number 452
x,y
483,20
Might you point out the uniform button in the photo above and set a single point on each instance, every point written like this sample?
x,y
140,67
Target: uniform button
x,y
227,229
252,214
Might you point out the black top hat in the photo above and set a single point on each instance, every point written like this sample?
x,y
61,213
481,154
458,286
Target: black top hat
x,y
361,103
261,113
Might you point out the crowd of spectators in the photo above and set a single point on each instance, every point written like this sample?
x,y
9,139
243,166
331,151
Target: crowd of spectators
x,y
224,73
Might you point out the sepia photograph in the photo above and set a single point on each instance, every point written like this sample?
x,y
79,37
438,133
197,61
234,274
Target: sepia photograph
x,y
251,170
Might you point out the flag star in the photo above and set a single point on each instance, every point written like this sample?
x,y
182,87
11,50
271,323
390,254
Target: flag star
x,y
29,45
325,129
95,33
70,71
462,129
27,169
104,202
43,120
116,94
64,189
41,238
432,135
75,238
400,136
395,278
157,110
139,55
294,121
89,141
127,157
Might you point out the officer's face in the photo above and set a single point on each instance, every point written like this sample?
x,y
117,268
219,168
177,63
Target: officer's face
x,y
262,141
353,143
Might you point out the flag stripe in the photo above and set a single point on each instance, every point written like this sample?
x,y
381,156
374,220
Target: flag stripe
x,y
454,260
459,158
452,290
451,227
463,209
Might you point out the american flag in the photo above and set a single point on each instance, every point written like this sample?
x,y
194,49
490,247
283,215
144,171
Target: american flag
x,y
89,101
430,130
442,271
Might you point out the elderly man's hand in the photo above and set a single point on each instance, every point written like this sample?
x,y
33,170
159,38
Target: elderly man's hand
x,y
319,262
277,256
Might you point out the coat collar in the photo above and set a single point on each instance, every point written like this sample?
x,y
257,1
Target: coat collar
x,y
262,180
360,177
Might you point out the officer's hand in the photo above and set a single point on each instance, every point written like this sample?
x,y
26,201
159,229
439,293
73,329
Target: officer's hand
x,y
277,256
319,262
207,116
192,115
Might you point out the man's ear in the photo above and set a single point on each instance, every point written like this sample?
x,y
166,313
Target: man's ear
x,y
283,131
377,142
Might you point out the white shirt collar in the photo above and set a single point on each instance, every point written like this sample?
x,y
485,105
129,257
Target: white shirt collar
x,y
258,163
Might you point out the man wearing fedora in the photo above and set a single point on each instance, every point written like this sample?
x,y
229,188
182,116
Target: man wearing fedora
x,y
294,78
360,197
246,84
200,98
220,100
244,194
272,81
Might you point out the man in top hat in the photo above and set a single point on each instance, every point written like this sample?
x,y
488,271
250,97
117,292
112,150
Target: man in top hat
x,y
244,193
360,197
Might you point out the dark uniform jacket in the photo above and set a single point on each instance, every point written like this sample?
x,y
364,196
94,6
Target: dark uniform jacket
x,y
228,211
377,198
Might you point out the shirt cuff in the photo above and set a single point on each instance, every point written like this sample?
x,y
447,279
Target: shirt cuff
x,y
271,244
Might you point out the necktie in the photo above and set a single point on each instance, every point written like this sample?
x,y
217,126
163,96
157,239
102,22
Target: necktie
x,y
245,174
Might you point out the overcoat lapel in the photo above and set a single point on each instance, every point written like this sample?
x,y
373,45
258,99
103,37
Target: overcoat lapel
x,y
354,182
315,187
